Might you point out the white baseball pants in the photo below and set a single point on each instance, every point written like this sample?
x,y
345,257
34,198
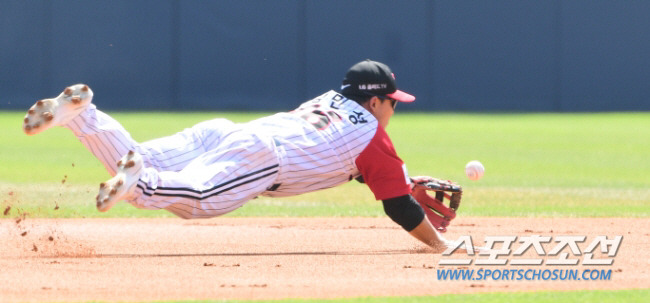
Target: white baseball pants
x,y
204,171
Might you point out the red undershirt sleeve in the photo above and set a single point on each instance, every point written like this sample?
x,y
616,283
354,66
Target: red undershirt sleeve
x,y
382,169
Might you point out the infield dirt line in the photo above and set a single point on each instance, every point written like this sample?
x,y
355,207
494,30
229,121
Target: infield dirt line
x,y
269,258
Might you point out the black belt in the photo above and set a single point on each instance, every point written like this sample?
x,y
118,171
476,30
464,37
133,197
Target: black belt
x,y
274,187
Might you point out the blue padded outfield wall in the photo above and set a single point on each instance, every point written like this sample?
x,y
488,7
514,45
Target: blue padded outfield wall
x,y
579,55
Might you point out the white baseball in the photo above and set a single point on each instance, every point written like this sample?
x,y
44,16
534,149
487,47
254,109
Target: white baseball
x,y
474,170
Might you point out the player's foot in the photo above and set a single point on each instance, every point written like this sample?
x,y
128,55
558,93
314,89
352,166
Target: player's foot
x,y
123,184
57,111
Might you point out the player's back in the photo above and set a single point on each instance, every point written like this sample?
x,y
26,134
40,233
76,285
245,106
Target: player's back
x,y
318,142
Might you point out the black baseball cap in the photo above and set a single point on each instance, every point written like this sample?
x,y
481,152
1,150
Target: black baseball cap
x,y
375,79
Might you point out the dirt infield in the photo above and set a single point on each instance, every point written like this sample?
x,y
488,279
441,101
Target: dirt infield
x,y
267,258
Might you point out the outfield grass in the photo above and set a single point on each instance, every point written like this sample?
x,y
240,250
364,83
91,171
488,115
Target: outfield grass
x,y
619,296
536,165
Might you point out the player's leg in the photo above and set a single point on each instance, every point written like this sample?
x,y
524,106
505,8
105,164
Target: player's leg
x,y
175,152
57,111
198,192
105,138
218,182
101,134
108,141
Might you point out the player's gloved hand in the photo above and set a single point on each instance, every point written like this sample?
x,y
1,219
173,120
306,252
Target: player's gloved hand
x,y
419,180
436,211
430,183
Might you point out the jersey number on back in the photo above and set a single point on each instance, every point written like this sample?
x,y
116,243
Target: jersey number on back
x,y
317,114
318,118
320,115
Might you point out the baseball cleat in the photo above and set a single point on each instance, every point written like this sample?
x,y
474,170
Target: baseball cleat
x,y
57,111
123,184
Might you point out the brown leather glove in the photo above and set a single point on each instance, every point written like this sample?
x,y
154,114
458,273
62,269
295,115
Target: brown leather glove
x,y
439,214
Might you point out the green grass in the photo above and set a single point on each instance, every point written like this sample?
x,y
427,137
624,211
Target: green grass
x,y
536,165
572,165
622,296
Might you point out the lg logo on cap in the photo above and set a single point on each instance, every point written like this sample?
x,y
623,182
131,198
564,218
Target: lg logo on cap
x,y
372,86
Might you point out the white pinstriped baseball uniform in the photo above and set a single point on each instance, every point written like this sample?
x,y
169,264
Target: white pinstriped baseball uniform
x,y
216,166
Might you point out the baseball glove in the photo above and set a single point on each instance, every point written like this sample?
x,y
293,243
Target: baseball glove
x,y
437,212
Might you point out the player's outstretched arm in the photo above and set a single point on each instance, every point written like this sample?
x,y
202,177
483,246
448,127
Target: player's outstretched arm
x,y
408,213
427,234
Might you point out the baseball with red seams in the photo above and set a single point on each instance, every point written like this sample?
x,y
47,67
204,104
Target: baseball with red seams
x,y
474,170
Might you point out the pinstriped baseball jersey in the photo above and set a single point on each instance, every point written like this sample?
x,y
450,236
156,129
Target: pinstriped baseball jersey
x,y
321,145
216,166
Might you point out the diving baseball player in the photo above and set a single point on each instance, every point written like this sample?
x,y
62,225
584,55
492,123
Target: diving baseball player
x,y
216,166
